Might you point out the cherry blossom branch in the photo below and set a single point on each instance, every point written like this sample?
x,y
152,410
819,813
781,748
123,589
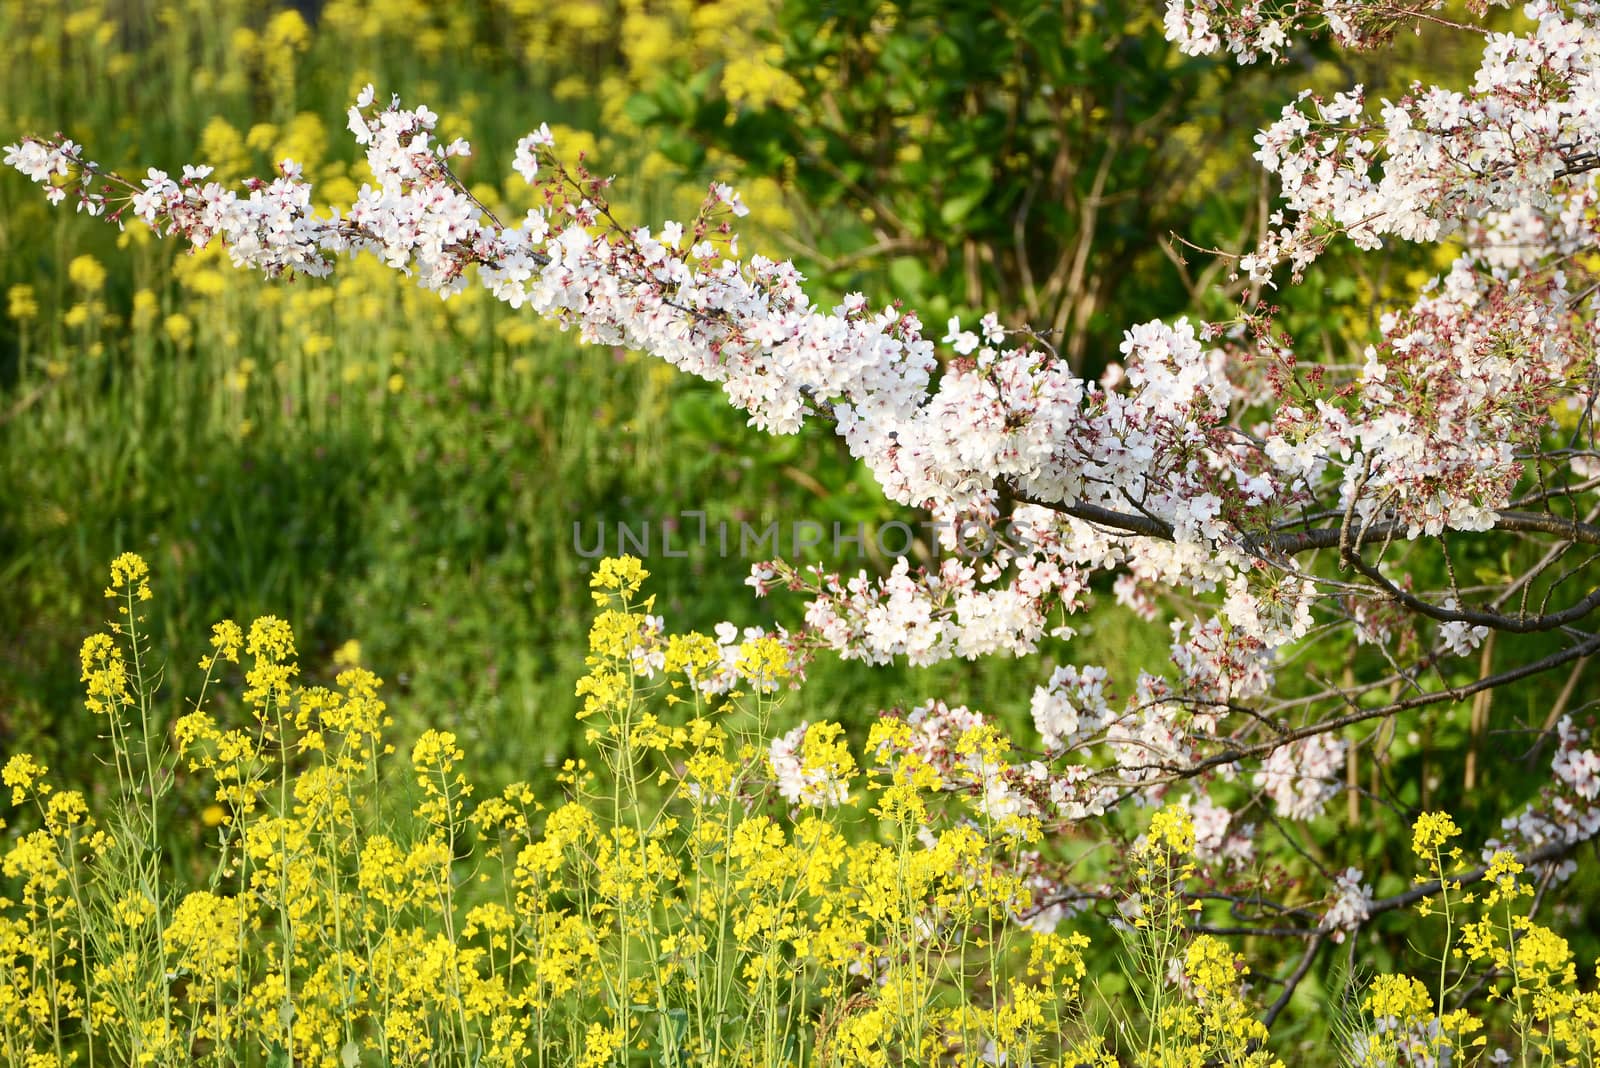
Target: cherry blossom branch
x,y
1514,624
1510,675
1313,948
1505,521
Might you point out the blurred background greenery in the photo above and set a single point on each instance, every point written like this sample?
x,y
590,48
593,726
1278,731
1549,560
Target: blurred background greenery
x,y
372,463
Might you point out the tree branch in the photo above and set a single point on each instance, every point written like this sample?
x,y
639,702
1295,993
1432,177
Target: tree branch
x,y
1231,756
1291,544
1518,624
1306,960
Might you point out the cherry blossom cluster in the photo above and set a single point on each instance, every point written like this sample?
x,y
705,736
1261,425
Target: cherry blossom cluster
x,y
1352,904
1566,812
1450,403
1070,707
1255,29
996,421
47,161
1201,27
996,417
1220,837
1504,166
1303,776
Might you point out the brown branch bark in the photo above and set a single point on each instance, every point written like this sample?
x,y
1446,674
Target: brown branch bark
x,y
1294,543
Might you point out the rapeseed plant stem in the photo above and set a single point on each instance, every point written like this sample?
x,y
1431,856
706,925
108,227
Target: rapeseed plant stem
x,y
135,588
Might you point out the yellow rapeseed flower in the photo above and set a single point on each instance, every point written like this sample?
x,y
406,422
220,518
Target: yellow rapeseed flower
x,y
1432,830
1173,829
22,772
21,304
1399,997
129,572
619,576
179,328
146,306
86,273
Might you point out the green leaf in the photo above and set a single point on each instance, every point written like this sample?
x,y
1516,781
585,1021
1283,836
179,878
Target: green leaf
x,y
909,275
958,207
642,108
679,149
701,83
1342,288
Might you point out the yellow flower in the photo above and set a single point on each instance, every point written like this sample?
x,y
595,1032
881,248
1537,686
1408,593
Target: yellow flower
x,y
758,79
1400,997
1431,831
21,773
204,936
87,274
1503,871
179,328
617,576
271,639
79,315
21,304
347,655
763,661
286,30
695,655
1172,829
1211,966
600,1044
226,638
106,674
67,810
129,571
145,307
601,689
433,759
